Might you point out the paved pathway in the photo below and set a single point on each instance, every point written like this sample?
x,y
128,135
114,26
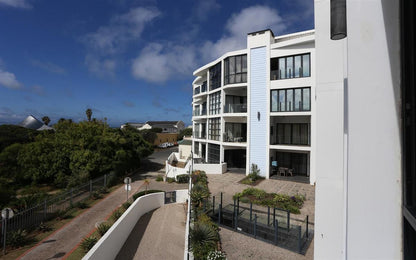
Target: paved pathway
x,y
159,234
59,244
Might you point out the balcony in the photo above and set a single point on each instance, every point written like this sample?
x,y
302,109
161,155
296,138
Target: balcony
x,y
291,134
199,135
200,89
235,108
235,133
199,112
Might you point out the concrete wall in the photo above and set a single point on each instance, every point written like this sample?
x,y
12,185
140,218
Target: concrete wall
x,y
358,187
219,168
182,196
113,240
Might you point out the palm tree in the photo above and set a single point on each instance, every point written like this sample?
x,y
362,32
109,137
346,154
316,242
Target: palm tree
x,y
46,120
88,112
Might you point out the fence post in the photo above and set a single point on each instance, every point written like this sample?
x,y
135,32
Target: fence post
x,y
44,210
221,199
255,225
274,215
276,226
268,215
233,221
219,214
70,200
238,206
307,226
288,220
251,210
213,205
299,238
90,187
105,180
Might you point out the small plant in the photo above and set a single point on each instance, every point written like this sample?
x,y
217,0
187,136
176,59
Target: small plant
x,y
126,205
44,228
170,180
254,172
17,238
82,205
88,243
216,255
182,178
117,214
159,178
102,228
203,239
96,195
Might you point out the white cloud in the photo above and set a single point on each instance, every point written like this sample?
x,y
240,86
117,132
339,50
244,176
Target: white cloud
x,y
108,41
8,80
49,66
16,3
158,64
248,20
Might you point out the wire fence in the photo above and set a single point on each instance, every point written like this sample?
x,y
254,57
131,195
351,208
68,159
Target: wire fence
x,y
52,207
273,225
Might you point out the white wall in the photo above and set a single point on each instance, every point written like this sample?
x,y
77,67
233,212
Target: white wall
x,y
358,187
113,240
218,168
181,196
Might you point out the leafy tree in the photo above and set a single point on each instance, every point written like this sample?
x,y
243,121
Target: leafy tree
x,y
184,132
10,134
88,112
46,120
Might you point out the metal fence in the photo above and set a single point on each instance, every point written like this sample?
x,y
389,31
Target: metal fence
x,y
52,207
272,225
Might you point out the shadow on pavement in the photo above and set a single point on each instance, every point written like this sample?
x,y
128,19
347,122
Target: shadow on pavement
x,y
128,251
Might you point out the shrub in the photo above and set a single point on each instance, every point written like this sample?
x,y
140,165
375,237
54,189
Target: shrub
x,y
203,239
198,194
81,205
141,193
170,180
112,180
117,214
96,195
216,255
254,172
17,238
44,228
183,178
199,177
159,178
88,243
102,228
126,205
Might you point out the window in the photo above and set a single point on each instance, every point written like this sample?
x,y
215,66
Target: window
x,y
215,103
214,129
292,134
235,104
215,76
235,69
292,99
213,153
297,66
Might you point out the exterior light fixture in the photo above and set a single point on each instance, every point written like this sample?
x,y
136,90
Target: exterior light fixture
x,y
338,19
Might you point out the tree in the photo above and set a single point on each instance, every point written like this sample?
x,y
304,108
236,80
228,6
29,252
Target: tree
x,y
88,112
184,132
46,120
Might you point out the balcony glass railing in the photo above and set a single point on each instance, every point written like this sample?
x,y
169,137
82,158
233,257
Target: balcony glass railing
x,y
234,138
200,135
197,90
235,108
199,112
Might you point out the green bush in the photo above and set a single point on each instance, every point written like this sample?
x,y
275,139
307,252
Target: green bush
x,y
112,180
126,205
159,178
117,214
203,239
88,243
170,180
81,205
199,177
96,195
141,193
183,178
17,238
44,228
102,228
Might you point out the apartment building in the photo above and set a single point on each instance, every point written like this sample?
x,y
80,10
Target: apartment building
x,y
257,106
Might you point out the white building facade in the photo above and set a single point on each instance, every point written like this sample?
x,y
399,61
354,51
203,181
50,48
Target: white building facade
x,y
366,149
257,106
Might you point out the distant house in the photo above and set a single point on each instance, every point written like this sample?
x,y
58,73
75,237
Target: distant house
x,y
32,122
166,126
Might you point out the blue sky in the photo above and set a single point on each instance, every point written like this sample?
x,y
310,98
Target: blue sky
x,y
129,61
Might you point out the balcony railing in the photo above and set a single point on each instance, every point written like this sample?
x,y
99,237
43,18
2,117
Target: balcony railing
x,y
197,90
199,112
200,135
234,138
235,108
